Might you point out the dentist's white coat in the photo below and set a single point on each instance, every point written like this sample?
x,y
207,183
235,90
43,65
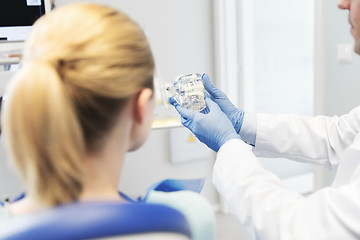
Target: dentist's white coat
x,y
265,207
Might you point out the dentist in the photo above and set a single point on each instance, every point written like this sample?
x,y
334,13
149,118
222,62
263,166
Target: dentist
x,y
258,198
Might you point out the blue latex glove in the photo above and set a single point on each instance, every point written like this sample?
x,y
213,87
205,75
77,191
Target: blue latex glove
x,y
212,128
235,115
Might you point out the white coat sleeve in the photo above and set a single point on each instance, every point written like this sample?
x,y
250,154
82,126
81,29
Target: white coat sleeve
x,y
267,210
318,140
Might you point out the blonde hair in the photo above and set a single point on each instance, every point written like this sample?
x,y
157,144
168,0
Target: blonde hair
x,y
81,64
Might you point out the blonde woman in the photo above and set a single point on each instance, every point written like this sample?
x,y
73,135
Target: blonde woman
x,y
82,99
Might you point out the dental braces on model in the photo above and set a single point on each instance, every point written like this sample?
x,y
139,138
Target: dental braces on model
x,y
188,92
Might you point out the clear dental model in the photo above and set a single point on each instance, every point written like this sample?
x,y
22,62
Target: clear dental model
x,y
188,92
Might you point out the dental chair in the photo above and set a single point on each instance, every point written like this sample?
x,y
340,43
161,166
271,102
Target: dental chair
x,y
101,220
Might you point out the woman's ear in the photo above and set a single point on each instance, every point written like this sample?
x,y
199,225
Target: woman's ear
x,y
142,101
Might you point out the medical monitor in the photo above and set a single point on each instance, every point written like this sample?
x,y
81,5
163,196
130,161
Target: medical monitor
x,y
17,17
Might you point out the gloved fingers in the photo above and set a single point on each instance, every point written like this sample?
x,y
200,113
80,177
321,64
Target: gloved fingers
x,y
186,123
172,101
207,95
212,105
186,117
205,110
210,88
185,113
182,119
207,83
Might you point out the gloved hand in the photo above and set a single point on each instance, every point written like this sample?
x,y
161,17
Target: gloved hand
x,y
235,115
212,128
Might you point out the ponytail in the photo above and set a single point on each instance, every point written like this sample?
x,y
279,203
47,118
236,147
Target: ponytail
x,y
44,137
68,96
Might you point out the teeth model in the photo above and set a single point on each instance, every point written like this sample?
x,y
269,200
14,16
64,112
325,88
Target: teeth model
x,y
188,91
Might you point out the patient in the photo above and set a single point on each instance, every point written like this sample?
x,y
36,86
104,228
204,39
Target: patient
x,y
82,99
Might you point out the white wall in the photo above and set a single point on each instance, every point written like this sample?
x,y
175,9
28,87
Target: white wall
x,y
283,68
179,31
341,81
180,34
10,184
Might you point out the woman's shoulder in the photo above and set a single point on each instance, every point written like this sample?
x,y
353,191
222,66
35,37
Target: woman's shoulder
x,y
196,208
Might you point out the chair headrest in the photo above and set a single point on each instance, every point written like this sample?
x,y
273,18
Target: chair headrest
x,y
92,220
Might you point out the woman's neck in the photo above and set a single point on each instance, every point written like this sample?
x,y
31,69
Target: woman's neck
x,y
102,169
